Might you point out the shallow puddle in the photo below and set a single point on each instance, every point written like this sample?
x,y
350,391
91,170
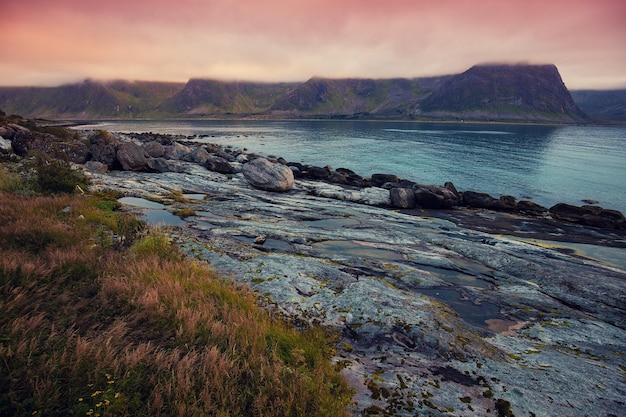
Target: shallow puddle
x,y
140,202
154,217
353,248
155,213
477,315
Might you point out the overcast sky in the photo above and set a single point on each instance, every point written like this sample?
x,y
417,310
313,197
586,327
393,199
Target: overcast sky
x,y
50,42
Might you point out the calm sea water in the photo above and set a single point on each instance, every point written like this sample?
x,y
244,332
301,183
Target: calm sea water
x,y
546,164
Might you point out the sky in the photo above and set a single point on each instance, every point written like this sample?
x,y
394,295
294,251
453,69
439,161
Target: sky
x,y
46,43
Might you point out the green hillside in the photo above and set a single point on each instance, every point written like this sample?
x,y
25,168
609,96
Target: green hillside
x,y
519,93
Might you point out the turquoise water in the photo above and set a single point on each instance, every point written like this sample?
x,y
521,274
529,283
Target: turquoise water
x,y
547,164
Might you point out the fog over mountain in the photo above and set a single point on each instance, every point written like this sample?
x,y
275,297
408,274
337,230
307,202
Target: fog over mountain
x,y
517,93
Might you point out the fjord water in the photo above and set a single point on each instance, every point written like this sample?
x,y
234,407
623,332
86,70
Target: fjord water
x,y
546,164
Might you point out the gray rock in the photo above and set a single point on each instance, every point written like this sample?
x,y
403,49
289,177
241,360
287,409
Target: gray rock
x,y
198,155
530,207
103,148
218,164
589,215
380,179
5,146
318,173
402,198
154,149
159,165
96,166
131,156
371,196
434,197
6,132
176,151
479,200
265,175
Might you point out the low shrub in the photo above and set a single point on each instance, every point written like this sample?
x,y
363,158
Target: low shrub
x,y
55,175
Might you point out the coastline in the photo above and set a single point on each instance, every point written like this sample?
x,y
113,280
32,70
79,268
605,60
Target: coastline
x,y
435,315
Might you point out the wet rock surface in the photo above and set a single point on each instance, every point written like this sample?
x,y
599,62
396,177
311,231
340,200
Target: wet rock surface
x,y
442,312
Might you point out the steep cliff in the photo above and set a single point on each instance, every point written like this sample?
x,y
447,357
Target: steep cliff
x,y
504,92
518,93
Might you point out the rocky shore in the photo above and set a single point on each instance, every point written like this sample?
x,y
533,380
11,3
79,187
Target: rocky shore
x,y
448,302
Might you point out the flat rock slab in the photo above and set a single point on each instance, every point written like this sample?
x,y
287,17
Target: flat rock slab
x,y
435,319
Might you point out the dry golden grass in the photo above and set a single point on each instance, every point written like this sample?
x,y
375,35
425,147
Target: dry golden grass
x,y
90,329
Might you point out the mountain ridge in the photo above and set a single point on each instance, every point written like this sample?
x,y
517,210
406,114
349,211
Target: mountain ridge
x,y
516,93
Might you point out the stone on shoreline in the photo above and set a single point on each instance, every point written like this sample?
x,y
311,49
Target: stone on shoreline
x,y
268,176
594,216
97,167
154,149
434,197
380,179
218,164
402,198
131,156
5,146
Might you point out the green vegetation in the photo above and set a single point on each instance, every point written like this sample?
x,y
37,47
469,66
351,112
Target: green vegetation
x,y
55,175
93,328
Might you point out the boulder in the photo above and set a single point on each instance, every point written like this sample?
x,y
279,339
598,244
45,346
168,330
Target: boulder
x,y
606,219
154,149
402,198
218,164
570,213
594,216
530,207
506,203
5,146
372,196
296,171
269,176
97,167
103,148
338,177
198,155
318,173
159,165
176,151
76,152
478,200
450,186
6,132
226,155
26,141
379,179
131,156
434,197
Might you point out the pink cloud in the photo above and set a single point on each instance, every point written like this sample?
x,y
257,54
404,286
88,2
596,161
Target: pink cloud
x,y
292,40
